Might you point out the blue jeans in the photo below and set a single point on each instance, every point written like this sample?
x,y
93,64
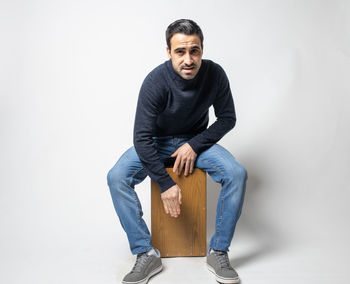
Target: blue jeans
x,y
216,161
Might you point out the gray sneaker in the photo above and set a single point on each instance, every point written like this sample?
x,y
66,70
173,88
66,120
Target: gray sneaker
x,y
219,264
147,264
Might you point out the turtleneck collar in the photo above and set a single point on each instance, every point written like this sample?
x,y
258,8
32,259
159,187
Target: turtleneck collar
x,y
181,82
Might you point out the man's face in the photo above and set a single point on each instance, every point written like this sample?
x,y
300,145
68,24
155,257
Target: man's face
x,y
185,54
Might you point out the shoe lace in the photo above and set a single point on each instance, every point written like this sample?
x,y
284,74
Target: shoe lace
x,y
223,260
140,262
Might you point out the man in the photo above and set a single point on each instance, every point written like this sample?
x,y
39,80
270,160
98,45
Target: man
x,y
171,121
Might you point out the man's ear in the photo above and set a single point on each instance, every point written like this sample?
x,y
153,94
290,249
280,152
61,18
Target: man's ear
x,y
168,52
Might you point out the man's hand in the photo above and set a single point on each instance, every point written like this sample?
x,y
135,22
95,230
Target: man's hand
x,y
172,200
185,156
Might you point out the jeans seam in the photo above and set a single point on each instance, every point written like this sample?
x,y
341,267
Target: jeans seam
x,y
137,207
139,218
222,204
212,166
133,175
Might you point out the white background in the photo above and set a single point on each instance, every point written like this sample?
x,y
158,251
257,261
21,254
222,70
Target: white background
x,y
70,72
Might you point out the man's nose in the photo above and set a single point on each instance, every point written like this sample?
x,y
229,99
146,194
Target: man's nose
x,y
188,59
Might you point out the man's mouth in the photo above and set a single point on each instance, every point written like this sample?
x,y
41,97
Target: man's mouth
x,y
188,67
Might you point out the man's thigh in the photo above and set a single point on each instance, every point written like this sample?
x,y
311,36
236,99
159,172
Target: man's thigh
x,y
219,163
128,168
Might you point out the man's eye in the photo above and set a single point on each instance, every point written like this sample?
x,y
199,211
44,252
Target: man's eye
x,y
195,51
180,52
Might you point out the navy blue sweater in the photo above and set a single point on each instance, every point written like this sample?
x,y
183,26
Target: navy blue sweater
x,y
169,105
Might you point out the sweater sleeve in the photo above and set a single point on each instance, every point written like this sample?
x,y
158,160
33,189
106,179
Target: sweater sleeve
x,y
151,102
225,116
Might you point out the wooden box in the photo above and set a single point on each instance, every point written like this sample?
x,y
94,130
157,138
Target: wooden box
x,y
186,234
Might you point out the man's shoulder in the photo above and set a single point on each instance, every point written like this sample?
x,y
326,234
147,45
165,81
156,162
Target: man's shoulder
x,y
154,81
214,71
157,72
212,66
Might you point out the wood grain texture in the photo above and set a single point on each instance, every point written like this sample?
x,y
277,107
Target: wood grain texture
x,y
186,234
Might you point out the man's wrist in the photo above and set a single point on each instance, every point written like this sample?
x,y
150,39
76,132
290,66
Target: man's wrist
x,y
193,146
166,184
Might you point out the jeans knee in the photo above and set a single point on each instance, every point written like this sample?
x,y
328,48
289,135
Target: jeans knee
x,y
115,176
242,173
110,177
237,174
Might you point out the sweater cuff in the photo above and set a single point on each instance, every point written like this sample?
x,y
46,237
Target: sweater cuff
x,y
165,183
195,146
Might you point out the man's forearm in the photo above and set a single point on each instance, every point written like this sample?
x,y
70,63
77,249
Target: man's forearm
x,y
211,135
154,167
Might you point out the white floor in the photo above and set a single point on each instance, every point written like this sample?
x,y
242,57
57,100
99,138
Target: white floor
x,y
104,262
99,258
89,246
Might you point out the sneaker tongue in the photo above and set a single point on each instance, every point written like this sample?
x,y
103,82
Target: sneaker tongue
x,y
225,265
223,260
140,261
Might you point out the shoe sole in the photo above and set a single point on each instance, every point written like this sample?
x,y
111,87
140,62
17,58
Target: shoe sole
x,y
145,280
223,279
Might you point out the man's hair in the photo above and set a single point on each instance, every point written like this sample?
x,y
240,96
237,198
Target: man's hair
x,y
183,26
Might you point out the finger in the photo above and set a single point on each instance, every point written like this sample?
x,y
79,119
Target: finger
x,y
165,207
180,197
191,166
173,208
177,205
176,164
175,153
187,167
181,166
